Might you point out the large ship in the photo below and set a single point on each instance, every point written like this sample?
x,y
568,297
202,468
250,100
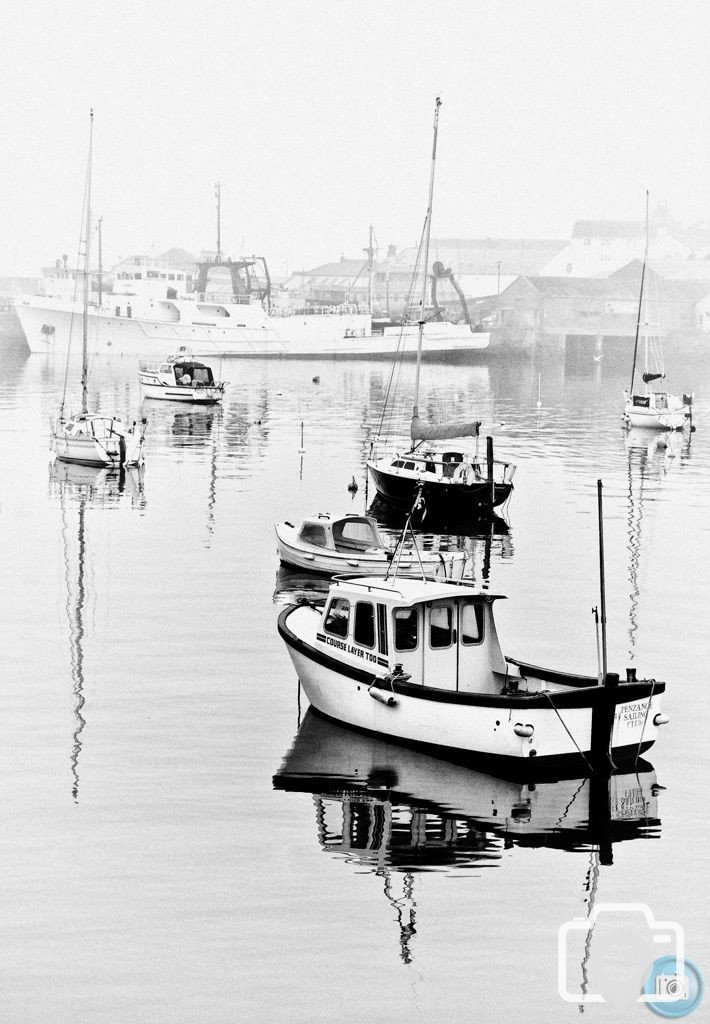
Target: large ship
x,y
151,309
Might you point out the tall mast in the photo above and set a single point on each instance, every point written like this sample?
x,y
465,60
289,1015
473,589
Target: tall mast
x,y
87,251
427,235
640,309
370,269
218,196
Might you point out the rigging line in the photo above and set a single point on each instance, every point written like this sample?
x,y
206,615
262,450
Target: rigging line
x,y
546,694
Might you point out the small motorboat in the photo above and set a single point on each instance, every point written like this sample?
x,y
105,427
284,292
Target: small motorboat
x,y
351,543
180,378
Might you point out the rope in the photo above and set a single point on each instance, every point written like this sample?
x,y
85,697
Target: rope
x,y
582,754
645,719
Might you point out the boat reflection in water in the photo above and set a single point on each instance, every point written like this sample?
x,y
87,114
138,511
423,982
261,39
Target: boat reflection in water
x,y
294,586
78,489
398,811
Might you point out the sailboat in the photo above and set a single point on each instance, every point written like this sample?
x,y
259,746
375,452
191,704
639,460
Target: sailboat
x,y
452,481
659,410
92,438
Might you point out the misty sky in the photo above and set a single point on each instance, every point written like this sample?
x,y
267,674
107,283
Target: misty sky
x,y
317,116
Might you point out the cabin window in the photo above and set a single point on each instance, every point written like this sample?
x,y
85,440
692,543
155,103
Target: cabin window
x,y
382,629
471,622
354,533
397,464
364,629
405,629
409,465
441,625
431,467
313,533
338,618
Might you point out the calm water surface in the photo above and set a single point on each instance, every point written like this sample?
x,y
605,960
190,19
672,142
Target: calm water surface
x,y
182,842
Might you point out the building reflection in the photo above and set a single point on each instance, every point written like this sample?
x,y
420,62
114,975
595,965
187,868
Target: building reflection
x,y
397,811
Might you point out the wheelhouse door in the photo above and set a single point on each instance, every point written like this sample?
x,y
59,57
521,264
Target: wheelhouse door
x,y
441,645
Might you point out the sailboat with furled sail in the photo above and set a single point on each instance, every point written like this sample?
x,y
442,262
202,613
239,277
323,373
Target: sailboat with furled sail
x,y
646,407
93,438
451,481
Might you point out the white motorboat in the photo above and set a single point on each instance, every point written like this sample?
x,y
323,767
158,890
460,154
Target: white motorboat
x,y
180,378
420,661
94,438
655,410
352,543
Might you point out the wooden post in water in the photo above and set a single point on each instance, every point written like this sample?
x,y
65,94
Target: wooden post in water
x,y
605,706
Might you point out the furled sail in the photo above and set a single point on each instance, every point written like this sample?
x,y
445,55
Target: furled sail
x,y
648,377
421,431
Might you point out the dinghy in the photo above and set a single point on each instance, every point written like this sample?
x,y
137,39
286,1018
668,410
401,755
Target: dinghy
x,y
331,544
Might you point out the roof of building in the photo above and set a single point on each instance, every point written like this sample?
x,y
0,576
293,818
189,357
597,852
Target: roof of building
x,y
609,229
589,287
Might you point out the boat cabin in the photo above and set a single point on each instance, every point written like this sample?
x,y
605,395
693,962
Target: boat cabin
x,y
190,373
341,533
443,634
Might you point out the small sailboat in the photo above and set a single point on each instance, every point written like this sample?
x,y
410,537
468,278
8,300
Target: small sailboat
x,y
647,407
93,438
452,481
180,378
420,661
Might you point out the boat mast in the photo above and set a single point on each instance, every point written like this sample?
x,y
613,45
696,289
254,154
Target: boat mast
x,y
218,197
370,269
87,250
638,318
427,235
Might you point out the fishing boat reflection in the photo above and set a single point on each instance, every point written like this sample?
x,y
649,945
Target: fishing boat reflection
x,y
79,489
398,811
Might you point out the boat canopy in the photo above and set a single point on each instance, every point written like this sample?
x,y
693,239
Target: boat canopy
x,y
345,533
197,372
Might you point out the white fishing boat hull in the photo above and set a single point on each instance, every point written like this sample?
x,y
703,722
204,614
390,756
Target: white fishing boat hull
x,y
373,562
229,330
481,724
170,393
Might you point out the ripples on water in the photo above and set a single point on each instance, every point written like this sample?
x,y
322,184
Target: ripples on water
x,y
183,842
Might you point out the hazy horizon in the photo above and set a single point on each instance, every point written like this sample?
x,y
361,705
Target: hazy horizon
x,y
316,118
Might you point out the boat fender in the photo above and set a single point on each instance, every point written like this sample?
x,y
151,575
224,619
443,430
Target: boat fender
x,y
661,719
388,699
524,731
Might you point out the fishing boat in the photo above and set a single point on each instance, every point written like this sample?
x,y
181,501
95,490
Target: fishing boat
x,y
224,309
180,378
647,407
351,543
452,480
93,438
420,661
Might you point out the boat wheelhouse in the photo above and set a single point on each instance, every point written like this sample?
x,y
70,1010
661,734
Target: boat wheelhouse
x,y
352,543
420,661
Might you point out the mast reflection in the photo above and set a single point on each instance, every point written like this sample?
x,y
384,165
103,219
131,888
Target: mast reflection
x,y
83,488
399,811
